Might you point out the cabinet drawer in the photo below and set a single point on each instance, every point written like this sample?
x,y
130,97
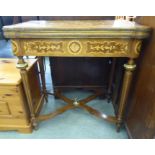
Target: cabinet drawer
x,y
8,91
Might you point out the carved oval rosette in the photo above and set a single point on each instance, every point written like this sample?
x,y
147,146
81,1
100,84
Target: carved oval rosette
x,y
74,47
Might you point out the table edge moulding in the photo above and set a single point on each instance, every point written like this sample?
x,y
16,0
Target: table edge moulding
x,y
87,38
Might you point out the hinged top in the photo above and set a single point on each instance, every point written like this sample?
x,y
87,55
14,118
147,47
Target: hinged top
x,y
76,29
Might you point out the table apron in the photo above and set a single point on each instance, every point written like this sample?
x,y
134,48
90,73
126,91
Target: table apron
x,y
64,47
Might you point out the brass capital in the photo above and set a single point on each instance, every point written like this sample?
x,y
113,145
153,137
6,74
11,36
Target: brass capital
x,y
22,65
130,67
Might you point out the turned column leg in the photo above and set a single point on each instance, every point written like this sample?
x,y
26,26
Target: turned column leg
x,y
129,68
22,65
42,74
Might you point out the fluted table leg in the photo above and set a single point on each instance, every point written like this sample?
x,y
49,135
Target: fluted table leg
x,y
22,65
129,68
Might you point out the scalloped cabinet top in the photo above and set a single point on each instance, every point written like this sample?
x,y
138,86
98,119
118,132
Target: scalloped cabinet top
x,y
77,29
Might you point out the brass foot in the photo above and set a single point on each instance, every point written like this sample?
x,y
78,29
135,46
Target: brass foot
x,y
109,98
34,123
46,98
35,126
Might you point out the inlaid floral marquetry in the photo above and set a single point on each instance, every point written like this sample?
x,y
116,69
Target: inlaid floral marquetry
x,y
42,46
107,47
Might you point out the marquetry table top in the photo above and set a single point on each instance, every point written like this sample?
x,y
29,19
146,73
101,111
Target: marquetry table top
x,y
76,28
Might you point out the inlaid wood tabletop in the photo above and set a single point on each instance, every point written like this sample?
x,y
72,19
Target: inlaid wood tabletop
x,y
76,28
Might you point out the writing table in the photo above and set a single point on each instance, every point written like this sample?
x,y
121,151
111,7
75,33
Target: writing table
x,y
87,38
